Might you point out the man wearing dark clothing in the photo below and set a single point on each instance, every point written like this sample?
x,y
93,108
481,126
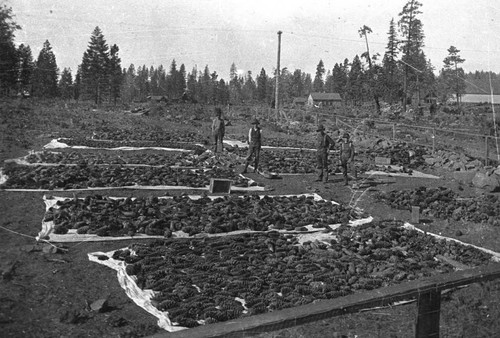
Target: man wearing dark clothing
x,y
346,156
218,130
323,144
254,145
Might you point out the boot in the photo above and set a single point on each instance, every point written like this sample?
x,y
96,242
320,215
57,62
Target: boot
x,y
320,175
256,167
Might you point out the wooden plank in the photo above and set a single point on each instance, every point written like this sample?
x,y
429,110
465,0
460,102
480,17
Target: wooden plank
x,y
429,307
243,327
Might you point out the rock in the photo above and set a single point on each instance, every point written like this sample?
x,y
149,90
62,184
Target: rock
x,y
464,176
497,171
483,181
430,160
100,305
50,249
458,233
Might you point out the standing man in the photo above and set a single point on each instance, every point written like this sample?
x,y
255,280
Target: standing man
x,y
254,145
346,156
218,129
323,144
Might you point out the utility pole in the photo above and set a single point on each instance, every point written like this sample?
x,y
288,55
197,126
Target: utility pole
x,y
276,104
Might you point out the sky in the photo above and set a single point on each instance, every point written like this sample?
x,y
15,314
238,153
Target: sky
x,y
218,33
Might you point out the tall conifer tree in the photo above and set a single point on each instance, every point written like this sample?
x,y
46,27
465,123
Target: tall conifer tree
x,y
45,73
95,68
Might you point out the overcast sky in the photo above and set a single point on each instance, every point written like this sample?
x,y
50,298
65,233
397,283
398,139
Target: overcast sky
x,y
219,32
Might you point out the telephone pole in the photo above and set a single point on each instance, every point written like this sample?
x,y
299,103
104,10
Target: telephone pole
x,y
276,104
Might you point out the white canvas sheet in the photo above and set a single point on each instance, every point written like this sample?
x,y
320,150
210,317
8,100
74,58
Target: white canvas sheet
x,y
47,228
55,144
143,297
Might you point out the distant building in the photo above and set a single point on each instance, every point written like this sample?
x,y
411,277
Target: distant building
x,y
299,101
324,100
477,98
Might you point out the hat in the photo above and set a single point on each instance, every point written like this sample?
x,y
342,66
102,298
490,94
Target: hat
x,y
346,135
255,121
320,127
218,111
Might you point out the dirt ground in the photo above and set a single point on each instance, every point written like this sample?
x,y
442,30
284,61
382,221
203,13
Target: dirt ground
x,y
47,294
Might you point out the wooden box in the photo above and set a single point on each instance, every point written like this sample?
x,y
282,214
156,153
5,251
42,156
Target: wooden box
x,y
220,186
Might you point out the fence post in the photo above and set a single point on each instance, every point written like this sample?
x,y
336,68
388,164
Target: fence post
x,y
486,151
429,306
433,140
394,131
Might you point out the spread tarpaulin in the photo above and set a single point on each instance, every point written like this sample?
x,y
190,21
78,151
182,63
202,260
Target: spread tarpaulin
x,y
55,144
396,171
47,229
134,292
143,297
240,144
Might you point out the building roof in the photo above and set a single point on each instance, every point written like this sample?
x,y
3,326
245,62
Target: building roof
x,y
326,97
479,98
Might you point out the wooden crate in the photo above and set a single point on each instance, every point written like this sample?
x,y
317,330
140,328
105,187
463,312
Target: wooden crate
x,y
220,186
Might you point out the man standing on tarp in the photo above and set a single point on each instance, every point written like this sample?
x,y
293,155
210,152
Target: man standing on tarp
x,y
323,144
218,129
254,145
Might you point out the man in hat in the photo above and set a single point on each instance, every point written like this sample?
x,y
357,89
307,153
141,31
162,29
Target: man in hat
x,y
218,129
323,144
346,156
254,145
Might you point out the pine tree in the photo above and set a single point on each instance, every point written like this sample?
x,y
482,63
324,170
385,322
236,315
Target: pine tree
x,y
390,72
65,86
45,73
355,82
249,88
318,84
453,74
115,73
77,84
411,29
8,52
206,86
339,79
26,67
95,68
308,87
364,31
297,83
234,85
262,84
192,85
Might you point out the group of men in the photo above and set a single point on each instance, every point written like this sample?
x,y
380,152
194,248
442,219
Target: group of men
x,y
324,143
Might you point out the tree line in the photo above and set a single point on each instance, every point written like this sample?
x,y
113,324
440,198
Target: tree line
x,y
403,74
